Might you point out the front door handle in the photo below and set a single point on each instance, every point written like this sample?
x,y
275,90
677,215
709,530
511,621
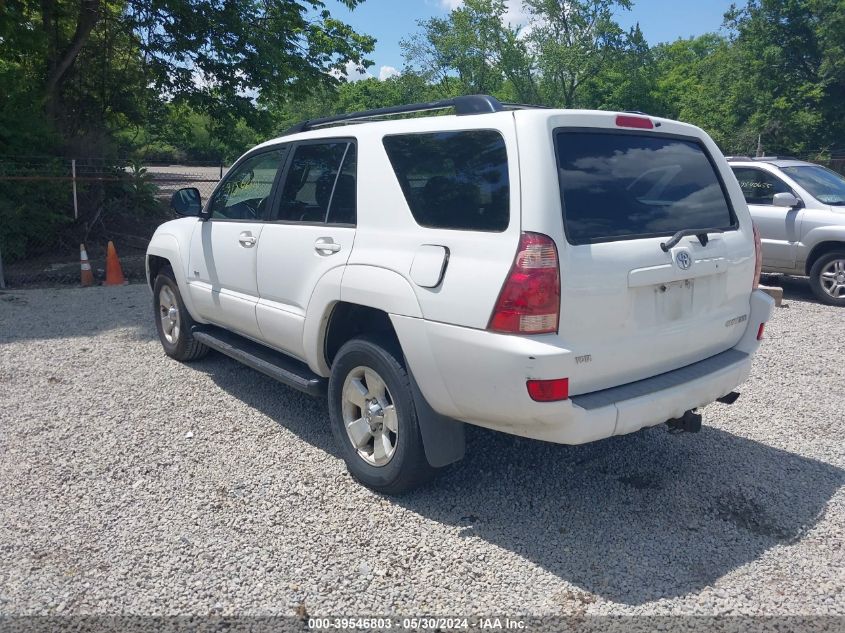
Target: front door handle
x,y
326,246
246,239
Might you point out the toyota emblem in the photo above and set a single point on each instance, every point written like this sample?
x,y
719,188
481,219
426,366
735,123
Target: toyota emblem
x,y
684,260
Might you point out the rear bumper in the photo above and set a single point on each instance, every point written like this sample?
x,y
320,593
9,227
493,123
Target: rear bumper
x,y
479,378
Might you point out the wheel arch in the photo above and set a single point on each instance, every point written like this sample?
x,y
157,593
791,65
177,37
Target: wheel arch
x,y
162,251
370,300
371,290
827,245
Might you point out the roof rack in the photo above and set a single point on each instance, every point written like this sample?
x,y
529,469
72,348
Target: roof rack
x,y
464,105
738,158
765,158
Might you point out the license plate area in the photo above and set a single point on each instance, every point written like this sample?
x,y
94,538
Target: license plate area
x,y
675,299
665,302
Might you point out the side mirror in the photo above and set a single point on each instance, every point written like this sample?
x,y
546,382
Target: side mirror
x,y
187,202
787,200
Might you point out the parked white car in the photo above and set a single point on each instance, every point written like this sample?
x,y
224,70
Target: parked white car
x,y
562,275
799,209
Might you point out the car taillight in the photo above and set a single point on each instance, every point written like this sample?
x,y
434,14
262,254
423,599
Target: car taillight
x,y
529,302
548,390
758,257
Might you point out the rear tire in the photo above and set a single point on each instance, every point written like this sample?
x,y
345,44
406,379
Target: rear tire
x,y
173,322
827,278
373,417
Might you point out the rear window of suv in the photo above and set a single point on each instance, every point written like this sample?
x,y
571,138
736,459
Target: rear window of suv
x,y
617,186
453,180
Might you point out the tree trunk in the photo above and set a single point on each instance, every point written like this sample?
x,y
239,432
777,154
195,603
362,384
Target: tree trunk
x,y
89,15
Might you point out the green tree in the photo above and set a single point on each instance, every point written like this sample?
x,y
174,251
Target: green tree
x,y
791,54
218,57
573,40
473,51
627,78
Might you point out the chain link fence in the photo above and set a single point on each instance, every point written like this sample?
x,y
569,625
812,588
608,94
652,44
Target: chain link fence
x,y
48,206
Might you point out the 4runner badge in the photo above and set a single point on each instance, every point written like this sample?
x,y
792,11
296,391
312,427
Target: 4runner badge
x,y
683,260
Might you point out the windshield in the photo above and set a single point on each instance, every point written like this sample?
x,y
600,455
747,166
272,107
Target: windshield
x,y
824,185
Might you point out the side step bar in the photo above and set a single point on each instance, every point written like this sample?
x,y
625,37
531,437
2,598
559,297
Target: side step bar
x,y
281,367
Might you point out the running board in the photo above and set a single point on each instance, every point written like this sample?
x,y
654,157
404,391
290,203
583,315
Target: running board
x,y
281,367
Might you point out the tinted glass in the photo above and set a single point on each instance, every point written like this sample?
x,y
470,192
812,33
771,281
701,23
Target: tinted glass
x,y
758,186
621,186
310,182
245,190
453,180
825,185
342,209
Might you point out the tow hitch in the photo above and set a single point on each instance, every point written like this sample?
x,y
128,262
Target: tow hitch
x,y
690,422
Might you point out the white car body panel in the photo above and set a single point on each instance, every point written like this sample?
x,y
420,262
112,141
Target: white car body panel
x,y
635,330
289,268
222,274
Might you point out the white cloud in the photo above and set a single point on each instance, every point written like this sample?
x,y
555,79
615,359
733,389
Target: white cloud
x,y
386,72
515,15
352,72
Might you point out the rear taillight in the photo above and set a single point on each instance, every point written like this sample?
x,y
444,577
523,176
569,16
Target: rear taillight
x,y
529,302
761,331
758,258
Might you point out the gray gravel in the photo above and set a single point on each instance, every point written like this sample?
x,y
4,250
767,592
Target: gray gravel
x,y
130,483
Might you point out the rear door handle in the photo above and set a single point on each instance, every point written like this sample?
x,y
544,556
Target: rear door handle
x,y
246,239
326,246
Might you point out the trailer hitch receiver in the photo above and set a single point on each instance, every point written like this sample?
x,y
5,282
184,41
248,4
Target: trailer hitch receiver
x,y
690,422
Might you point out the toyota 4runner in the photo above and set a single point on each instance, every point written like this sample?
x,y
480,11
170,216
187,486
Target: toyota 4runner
x,y
563,275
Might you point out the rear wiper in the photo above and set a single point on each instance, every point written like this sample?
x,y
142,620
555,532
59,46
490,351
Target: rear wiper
x,y
701,234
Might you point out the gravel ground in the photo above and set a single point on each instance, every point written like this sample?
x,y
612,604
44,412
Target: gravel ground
x,y
133,484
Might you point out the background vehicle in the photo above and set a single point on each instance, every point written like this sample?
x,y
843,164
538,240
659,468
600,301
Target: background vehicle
x,y
799,209
592,279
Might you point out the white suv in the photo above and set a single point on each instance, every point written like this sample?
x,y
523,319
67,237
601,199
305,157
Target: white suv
x,y
562,275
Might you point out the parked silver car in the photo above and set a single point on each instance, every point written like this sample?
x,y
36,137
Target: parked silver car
x,y
799,209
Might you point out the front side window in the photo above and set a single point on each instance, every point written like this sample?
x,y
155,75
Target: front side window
x,y
453,180
245,192
618,186
758,186
316,177
824,185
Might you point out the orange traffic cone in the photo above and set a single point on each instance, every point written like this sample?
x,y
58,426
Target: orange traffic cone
x,y
87,275
114,273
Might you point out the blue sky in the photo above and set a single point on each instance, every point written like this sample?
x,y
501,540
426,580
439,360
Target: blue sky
x,y
391,20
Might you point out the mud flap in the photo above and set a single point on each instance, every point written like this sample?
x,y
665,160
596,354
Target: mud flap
x,y
443,438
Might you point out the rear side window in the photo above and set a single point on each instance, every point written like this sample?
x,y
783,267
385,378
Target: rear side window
x,y
759,187
453,180
617,186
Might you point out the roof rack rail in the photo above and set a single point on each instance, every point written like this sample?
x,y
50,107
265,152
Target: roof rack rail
x,y
524,106
467,104
738,158
764,158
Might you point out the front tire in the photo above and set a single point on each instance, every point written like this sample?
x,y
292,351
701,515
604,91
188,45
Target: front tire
x,y
173,322
827,278
373,417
